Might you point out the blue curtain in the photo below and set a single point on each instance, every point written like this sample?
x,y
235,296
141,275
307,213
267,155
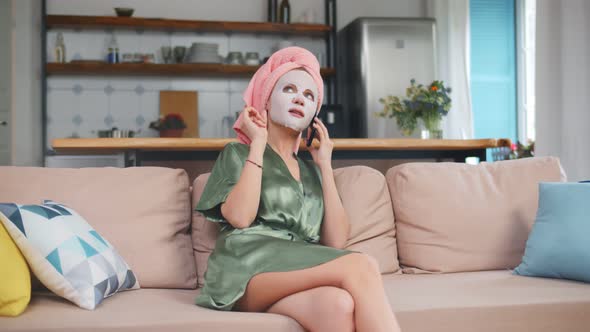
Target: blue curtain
x,y
493,68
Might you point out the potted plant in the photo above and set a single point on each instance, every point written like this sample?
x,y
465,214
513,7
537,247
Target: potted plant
x,y
428,103
170,125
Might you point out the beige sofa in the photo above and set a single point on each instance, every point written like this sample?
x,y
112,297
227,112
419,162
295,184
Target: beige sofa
x,y
457,232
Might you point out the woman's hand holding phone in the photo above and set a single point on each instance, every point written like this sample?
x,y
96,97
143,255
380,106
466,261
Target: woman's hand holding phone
x,y
311,128
322,156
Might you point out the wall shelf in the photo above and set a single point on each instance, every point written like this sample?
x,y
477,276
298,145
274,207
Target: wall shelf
x,y
98,22
153,69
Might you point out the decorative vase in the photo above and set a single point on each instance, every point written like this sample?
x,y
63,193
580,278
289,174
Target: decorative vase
x,y
431,128
171,133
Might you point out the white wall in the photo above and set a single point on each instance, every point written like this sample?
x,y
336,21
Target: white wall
x,y
26,83
563,78
5,83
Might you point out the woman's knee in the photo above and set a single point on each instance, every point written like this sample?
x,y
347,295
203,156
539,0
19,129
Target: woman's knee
x,y
361,268
337,301
334,308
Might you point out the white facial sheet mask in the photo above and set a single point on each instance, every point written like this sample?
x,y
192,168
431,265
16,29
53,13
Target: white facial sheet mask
x,y
292,91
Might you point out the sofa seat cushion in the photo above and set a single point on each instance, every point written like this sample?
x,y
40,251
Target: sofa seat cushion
x,y
143,310
462,302
488,301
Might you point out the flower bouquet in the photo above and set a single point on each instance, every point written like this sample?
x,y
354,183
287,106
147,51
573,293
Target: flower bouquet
x,y
428,103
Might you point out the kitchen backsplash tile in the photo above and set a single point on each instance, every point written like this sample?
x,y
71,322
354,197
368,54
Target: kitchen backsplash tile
x,y
64,105
213,107
238,84
236,104
149,108
93,108
124,106
202,84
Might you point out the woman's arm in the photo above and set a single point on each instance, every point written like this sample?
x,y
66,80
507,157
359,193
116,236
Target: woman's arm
x,y
335,226
241,205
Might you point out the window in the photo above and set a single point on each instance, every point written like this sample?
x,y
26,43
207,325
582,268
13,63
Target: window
x,y
526,27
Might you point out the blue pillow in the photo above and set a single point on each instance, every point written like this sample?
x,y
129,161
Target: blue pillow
x,y
559,243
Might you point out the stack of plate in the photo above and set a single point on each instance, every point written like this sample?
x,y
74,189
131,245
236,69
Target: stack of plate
x,y
204,53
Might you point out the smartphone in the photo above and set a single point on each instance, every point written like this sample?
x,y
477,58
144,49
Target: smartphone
x,y
313,130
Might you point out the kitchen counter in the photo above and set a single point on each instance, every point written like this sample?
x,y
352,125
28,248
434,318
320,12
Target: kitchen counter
x,y
137,150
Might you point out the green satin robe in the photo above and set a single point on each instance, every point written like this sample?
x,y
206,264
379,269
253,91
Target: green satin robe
x,y
283,237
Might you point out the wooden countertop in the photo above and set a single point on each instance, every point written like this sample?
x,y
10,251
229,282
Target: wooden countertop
x,y
111,145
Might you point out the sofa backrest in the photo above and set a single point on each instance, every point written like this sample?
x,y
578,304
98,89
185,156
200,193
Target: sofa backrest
x,y
204,233
144,212
453,217
365,197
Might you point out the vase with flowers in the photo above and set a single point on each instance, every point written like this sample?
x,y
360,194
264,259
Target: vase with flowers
x,y
426,103
169,125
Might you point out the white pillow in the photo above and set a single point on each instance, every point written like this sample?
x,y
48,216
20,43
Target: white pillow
x,y
66,254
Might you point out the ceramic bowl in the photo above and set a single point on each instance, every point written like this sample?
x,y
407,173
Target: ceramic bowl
x,y
124,12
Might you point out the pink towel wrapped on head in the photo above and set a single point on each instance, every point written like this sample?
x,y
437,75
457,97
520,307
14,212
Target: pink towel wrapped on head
x,y
262,83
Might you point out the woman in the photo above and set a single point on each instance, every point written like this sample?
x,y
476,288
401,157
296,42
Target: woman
x,y
273,206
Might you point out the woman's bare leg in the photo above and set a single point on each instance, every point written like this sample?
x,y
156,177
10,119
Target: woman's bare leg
x,y
320,309
356,273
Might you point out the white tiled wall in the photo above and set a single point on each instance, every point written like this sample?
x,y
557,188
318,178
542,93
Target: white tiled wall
x,y
79,106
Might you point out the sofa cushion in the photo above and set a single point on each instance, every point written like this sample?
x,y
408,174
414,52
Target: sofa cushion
x,y
364,194
457,302
365,197
67,255
143,211
487,301
15,288
558,246
144,310
453,217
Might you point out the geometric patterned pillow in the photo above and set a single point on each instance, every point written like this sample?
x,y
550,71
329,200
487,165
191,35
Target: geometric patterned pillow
x,y
66,254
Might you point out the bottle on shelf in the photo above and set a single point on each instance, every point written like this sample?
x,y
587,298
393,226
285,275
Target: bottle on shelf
x,y
113,51
272,10
285,12
60,48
